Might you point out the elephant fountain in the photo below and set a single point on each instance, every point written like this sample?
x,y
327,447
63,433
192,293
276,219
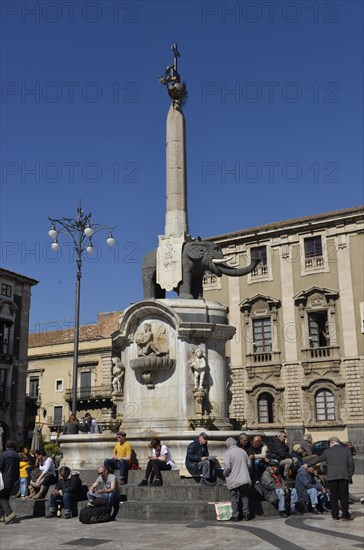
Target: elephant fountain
x,y
198,258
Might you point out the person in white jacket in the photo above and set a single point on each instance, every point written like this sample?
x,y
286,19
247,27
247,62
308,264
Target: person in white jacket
x,y
236,471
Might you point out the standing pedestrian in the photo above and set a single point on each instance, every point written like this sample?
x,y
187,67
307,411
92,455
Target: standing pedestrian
x,y
238,480
9,467
340,470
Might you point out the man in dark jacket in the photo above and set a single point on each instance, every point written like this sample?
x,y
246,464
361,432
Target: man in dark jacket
x,y
308,489
340,470
280,451
197,459
9,467
69,490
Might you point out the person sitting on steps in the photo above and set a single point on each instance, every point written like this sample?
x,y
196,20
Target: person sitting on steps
x,y
39,488
105,492
160,459
198,460
68,490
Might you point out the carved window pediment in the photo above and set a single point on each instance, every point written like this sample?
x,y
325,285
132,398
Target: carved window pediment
x,y
316,297
259,303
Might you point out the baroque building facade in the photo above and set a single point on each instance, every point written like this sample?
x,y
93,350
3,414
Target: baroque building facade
x,y
297,358
15,295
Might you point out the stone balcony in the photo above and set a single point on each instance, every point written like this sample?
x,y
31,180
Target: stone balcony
x,y
264,362
321,358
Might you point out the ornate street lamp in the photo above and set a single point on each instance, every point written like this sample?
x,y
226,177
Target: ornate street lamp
x,y
81,231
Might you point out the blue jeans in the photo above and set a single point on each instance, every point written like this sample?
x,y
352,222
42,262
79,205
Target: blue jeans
x,y
69,502
23,486
111,464
281,499
108,497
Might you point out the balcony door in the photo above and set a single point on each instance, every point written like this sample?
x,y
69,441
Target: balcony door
x,y
85,385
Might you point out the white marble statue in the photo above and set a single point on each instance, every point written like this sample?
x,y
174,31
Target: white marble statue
x,y
199,368
118,372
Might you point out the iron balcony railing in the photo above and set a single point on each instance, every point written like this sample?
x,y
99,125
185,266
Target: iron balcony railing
x,y
89,393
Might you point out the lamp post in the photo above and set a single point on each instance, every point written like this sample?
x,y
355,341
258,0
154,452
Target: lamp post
x,y
81,231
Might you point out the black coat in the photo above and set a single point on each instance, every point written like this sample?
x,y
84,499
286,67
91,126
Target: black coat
x,y
71,485
195,451
339,460
9,466
278,449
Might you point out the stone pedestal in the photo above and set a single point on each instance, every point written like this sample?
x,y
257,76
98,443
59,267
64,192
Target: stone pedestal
x,y
157,340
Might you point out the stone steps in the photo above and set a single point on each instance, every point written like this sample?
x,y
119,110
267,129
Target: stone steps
x,y
167,511
176,493
178,499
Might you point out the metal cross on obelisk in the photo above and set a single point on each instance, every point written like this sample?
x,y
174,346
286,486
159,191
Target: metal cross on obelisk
x,y
169,263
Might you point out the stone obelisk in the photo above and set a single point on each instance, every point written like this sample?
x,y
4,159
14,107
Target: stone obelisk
x,y
169,265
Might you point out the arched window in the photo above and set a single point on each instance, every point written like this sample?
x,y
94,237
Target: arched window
x,y
325,405
265,408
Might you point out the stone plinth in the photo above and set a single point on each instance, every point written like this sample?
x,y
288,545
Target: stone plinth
x,y
157,340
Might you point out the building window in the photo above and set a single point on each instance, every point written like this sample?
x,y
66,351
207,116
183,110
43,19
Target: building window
x,y
262,335
265,408
6,290
85,385
34,387
325,405
313,252
318,329
59,385
262,268
58,414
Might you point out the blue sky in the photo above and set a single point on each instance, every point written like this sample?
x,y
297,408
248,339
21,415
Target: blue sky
x,y
274,128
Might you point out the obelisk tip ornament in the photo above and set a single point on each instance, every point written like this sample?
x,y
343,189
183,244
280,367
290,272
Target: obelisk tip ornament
x,y
177,90
169,266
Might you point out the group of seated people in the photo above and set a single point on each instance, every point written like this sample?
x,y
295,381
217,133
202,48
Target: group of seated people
x,y
280,475
261,453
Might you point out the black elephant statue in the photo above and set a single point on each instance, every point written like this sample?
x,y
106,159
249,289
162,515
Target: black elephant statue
x,y
198,258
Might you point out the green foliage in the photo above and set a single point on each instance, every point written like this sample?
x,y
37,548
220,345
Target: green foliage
x,y
52,449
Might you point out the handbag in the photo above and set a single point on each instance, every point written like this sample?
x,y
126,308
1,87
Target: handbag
x,y
1,482
101,514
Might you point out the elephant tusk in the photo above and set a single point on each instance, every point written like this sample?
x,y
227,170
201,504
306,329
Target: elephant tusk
x,y
223,261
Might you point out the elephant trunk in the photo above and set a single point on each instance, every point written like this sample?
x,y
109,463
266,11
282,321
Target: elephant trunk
x,y
237,272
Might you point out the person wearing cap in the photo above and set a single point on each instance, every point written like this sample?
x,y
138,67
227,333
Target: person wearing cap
x,y
309,489
121,458
306,444
238,481
273,486
297,455
340,471
198,460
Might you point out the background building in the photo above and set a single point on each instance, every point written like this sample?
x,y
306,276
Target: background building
x,y
15,292
297,357
49,384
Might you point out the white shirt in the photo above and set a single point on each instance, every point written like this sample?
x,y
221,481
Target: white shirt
x,y
164,451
